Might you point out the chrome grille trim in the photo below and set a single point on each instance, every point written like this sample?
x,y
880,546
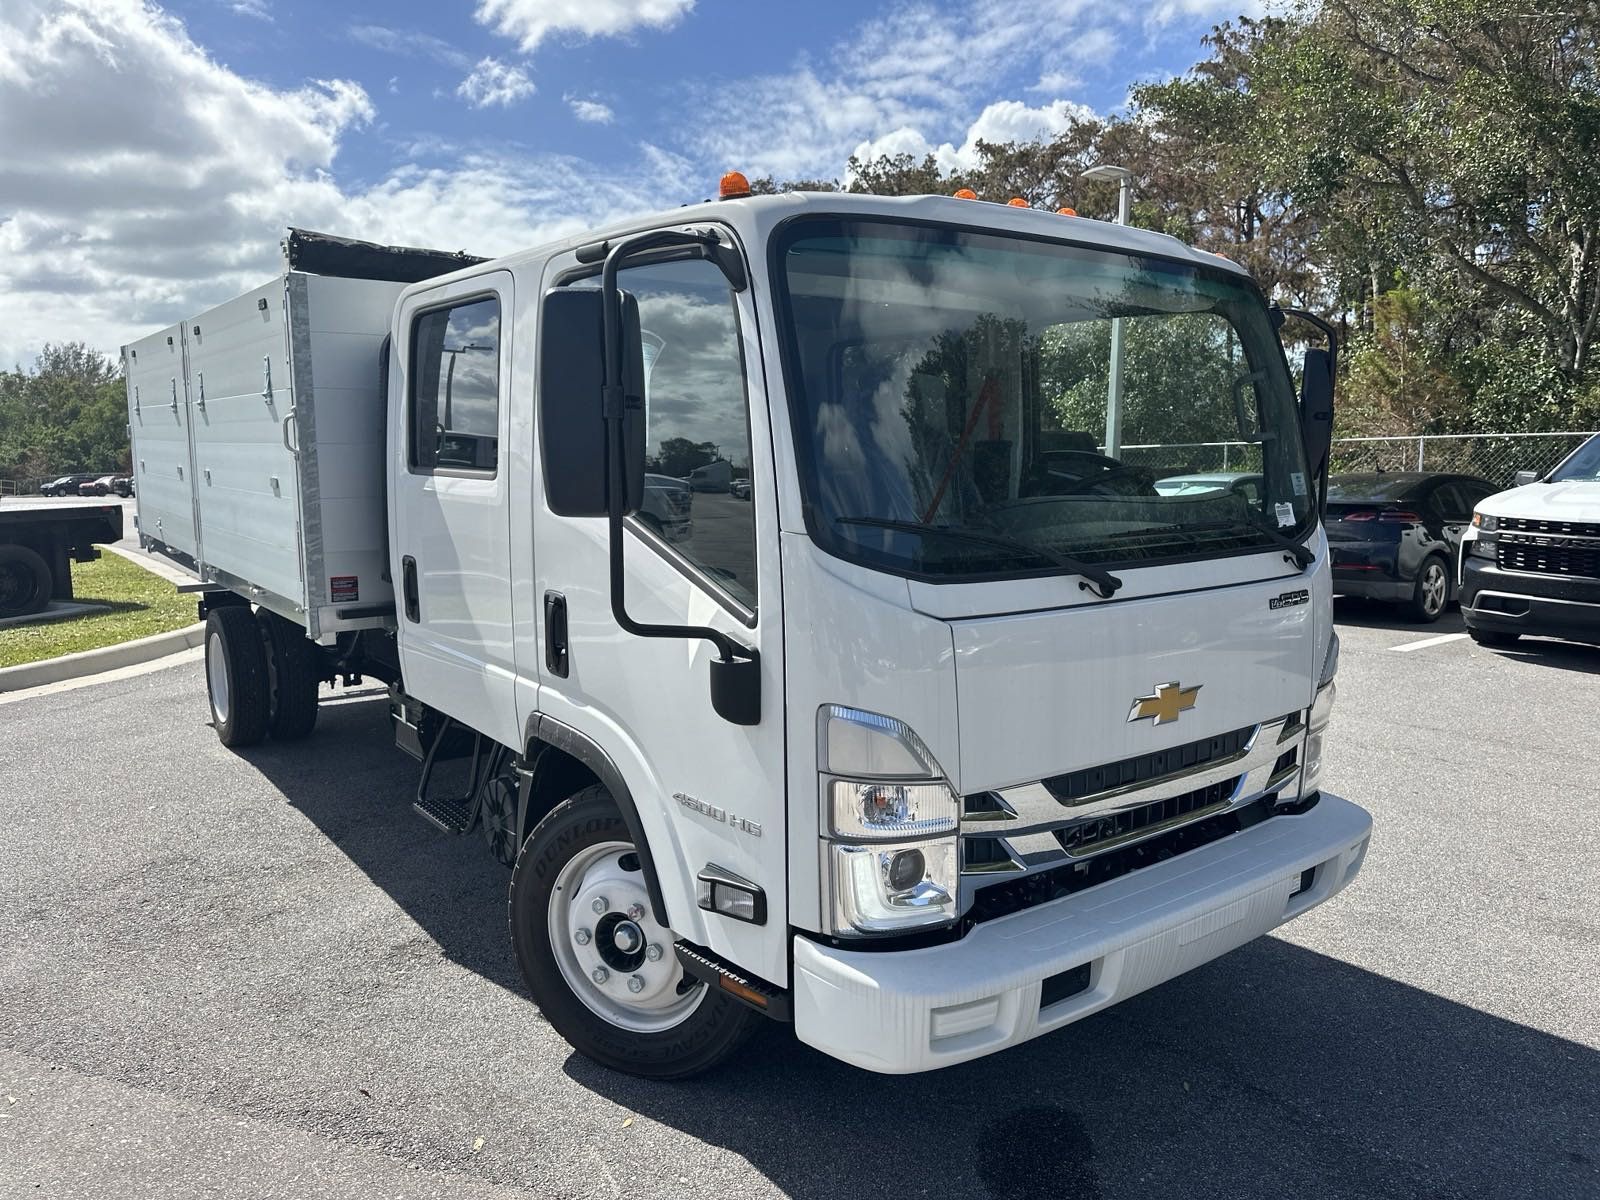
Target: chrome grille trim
x,y
1024,821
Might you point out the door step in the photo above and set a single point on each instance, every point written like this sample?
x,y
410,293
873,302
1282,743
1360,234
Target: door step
x,y
452,816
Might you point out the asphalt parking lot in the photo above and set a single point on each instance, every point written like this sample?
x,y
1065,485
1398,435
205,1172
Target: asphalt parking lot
x,y
260,975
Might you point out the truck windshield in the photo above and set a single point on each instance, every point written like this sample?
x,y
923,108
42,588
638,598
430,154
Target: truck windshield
x,y
1582,467
951,381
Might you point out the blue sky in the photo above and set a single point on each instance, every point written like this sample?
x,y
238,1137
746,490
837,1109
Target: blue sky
x,y
151,156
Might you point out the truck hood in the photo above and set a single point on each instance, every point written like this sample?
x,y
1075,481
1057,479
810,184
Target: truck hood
x,y
1547,501
1044,693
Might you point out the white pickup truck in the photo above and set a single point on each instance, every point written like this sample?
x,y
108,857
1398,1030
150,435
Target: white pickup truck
x,y
1530,563
943,730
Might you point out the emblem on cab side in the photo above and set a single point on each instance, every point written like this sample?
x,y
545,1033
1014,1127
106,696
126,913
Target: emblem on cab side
x,y
1165,704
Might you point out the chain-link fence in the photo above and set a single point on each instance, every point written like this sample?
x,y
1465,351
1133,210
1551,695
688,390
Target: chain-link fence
x,y
1496,457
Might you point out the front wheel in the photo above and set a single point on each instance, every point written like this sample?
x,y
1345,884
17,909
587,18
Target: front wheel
x,y
25,582
600,967
1432,591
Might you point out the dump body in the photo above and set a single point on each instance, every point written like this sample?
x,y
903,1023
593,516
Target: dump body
x,y
258,444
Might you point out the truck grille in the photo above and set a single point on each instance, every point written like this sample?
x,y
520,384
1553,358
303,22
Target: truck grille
x,y
1101,833
1147,768
1553,555
1556,528
1077,819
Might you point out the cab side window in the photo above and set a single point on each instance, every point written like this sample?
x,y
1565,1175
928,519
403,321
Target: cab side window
x,y
454,405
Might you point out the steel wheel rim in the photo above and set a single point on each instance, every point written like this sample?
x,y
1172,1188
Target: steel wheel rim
x,y
217,678
596,873
1433,588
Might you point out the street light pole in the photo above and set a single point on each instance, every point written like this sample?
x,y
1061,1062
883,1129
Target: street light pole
x,y
1124,178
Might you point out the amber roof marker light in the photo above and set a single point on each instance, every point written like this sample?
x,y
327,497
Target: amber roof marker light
x,y
964,194
1067,211
733,186
1017,202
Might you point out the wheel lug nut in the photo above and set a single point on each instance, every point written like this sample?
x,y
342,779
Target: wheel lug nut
x,y
653,952
635,984
599,974
581,937
636,912
600,904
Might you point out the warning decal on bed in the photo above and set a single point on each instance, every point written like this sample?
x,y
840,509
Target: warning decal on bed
x,y
345,588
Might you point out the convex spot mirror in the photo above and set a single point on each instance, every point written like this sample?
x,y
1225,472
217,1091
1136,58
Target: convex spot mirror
x,y
572,427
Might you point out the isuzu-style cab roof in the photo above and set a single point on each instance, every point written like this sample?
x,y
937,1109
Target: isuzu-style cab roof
x,y
753,219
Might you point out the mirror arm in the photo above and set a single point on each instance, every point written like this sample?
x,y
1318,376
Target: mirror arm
x,y
613,405
1324,326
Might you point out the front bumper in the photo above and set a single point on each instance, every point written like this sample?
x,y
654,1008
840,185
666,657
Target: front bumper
x,y
914,1010
1522,602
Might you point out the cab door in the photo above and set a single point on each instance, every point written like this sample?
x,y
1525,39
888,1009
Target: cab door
x,y
449,519
700,551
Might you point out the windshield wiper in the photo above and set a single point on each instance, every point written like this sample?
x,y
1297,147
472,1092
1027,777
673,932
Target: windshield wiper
x,y
1105,583
1299,550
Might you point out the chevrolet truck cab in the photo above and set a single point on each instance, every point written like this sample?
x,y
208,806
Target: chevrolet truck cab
x,y
1530,563
951,730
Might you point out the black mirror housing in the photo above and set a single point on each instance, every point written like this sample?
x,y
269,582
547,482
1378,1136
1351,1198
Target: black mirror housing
x,y
1524,478
1316,407
572,427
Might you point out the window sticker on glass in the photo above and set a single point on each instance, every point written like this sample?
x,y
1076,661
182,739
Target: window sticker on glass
x,y
1285,516
1297,480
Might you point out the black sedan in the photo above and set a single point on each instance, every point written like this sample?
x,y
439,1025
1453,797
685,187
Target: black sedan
x,y
1396,536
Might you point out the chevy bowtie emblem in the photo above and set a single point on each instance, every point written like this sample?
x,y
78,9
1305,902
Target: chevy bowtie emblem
x,y
1169,700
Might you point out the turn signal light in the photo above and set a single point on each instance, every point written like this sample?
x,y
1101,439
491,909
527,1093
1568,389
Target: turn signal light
x,y
733,186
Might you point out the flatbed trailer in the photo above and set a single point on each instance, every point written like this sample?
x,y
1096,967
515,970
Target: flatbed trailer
x,y
40,542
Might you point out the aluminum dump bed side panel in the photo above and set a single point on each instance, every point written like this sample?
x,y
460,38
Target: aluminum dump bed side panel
x,y
158,420
245,475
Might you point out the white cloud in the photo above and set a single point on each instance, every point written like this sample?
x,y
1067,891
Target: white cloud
x,y
411,43
529,22
1001,122
1166,11
917,70
253,8
494,82
593,111
144,181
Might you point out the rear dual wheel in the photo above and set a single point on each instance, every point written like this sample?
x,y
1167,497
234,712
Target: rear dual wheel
x,y
261,676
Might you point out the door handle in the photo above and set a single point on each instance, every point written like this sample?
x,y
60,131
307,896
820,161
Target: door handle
x,y
555,634
408,588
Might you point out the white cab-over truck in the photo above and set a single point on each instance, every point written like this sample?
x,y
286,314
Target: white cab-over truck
x,y
1530,563
927,724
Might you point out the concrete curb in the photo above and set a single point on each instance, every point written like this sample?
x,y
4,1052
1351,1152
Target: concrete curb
x,y
106,658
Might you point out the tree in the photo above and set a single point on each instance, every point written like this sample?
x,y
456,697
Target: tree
x,y
679,456
67,413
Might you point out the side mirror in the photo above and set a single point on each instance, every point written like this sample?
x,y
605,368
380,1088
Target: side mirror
x,y
1526,477
1316,408
572,427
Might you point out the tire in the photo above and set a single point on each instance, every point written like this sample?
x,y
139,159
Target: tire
x,y
236,676
294,669
1493,637
1430,595
25,582
577,854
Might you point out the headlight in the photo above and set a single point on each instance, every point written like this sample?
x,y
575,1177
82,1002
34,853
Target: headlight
x,y
1488,539
889,823
889,889
1330,660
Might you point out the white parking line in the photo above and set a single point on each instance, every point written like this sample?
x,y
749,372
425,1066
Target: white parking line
x,y
1426,642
